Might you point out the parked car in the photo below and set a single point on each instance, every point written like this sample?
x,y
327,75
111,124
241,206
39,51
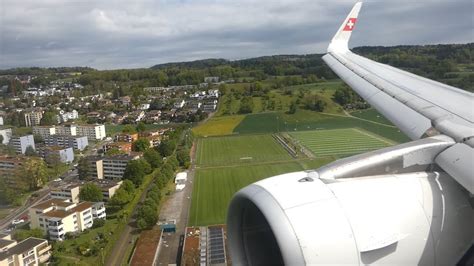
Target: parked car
x,y
17,221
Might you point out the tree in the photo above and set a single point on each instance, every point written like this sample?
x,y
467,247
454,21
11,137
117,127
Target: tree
x,y
83,169
30,151
167,147
33,173
129,129
140,145
293,108
246,105
136,170
183,158
1,139
128,186
120,198
141,127
49,118
153,158
91,192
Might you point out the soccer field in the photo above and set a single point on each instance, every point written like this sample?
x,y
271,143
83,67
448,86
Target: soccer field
x,y
340,142
221,151
213,189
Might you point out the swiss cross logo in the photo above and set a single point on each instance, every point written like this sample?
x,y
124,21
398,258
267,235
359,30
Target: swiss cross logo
x,y
350,24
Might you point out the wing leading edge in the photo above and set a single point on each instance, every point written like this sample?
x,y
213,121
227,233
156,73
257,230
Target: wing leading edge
x,y
418,106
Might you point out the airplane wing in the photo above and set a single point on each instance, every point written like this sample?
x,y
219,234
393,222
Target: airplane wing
x,y
419,106
409,204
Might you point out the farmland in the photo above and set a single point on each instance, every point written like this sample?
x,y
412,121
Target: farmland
x,y
218,126
218,151
339,142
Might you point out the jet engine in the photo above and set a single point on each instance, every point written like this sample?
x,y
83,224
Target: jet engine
x,y
410,213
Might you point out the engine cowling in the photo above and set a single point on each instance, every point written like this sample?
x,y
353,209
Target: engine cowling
x,y
298,218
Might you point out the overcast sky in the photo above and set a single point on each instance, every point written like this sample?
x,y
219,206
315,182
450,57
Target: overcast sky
x,y
110,34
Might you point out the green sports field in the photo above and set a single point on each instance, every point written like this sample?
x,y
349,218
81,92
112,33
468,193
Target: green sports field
x,y
340,142
217,151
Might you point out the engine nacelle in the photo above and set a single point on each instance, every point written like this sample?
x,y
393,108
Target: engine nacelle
x,y
399,219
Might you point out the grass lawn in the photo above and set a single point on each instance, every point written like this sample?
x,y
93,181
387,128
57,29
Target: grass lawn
x,y
214,188
372,115
308,120
339,142
223,125
218,151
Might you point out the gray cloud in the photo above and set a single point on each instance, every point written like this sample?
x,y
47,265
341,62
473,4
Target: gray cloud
x,y
127,34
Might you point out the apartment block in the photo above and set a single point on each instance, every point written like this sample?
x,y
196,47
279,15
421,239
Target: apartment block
x,y
109,167
114,166
65,155
70,191
92,132
125,137
121,146
44,131
6,133
33,118
68,130
31,251
56,217
65,141
21,143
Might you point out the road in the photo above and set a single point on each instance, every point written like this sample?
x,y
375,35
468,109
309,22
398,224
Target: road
x,y
177,208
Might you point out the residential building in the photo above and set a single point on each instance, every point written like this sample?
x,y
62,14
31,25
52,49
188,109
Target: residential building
x,y
126,137
33,117
154,140
98,211
179,104
213,93
209,106
20,144
96,167
44,131
66,192
121,146
69,130
109,167
67,116
92,132
144,106
1,119
8,165
211,79
6,133
56,217
65,155
125,100
114,166
65,141
70,191
31,251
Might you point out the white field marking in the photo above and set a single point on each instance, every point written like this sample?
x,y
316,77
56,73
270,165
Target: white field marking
x,y
374,136
246,158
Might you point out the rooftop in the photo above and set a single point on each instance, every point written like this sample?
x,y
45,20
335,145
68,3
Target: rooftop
x,y
52,202
4,243
82,206
58,214
22,247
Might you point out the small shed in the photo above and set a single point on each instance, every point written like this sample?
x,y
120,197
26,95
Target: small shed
x,y
168,228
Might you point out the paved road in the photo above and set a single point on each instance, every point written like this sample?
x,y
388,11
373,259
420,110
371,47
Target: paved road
x,y
171,241
169,252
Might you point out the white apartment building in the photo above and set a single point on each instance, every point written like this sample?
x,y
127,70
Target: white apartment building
x,y
70,191
33,118
56,217
109,167
92,132
31,251
44,131
20,144
69,130
6,133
